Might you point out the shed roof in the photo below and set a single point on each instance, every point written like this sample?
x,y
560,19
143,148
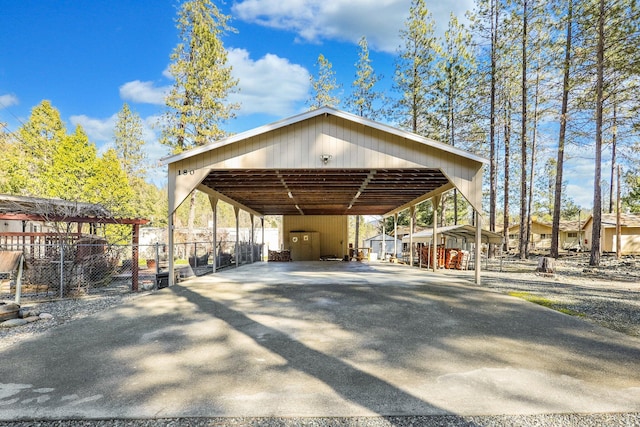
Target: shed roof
x,y
457,231
324,162
609,220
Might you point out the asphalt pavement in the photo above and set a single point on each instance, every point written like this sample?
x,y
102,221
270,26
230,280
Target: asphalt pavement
x,y
321,339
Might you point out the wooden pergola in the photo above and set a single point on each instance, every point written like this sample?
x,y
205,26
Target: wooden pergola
x,y
35,209
325,162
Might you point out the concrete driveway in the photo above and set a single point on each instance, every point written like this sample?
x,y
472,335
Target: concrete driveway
x,y
321,339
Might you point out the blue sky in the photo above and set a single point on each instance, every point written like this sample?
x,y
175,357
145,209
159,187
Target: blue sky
x,y
89,57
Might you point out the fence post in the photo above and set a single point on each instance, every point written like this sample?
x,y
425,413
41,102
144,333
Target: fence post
x,y
61,268
135,237
195,254
157,258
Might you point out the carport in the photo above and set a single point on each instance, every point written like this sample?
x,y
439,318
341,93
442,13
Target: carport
x,y
325,163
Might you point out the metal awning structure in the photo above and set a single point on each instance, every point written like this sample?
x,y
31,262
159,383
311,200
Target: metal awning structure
x,y
324,162
464,232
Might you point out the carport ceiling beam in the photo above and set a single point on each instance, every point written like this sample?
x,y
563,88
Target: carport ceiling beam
x,y
441,190
289,193
362,188
212,193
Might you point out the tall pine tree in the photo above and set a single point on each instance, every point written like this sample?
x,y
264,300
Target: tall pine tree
x,y
324,85
198,102
415,71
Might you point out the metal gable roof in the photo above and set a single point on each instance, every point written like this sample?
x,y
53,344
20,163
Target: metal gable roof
x,y
314,113
324,162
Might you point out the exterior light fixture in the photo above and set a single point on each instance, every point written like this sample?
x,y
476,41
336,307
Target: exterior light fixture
x,y
325,158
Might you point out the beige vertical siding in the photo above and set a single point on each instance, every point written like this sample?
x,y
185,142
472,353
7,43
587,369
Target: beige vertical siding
x,y
334,231
352,145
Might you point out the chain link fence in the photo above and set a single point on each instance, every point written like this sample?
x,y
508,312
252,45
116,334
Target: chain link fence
x,y
61,267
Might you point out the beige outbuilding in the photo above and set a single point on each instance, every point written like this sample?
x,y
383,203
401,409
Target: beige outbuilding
x,y
317,168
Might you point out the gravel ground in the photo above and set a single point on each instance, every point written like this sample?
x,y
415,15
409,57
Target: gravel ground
x,y
562,420
608,296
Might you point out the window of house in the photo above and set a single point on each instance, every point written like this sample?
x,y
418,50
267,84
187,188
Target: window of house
x,y
572,235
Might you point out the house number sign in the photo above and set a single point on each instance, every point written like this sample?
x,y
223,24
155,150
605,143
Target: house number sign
x,y
186,172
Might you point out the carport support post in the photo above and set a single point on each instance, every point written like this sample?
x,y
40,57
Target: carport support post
x,y
412,212
251,242
171,249
478,245
383,249
395,235
237,212
434,234
262,248
214,207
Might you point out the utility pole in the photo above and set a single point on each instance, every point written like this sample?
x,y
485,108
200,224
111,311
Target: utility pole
x,y
618,228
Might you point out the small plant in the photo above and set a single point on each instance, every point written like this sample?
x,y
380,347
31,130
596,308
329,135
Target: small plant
x,y
545,302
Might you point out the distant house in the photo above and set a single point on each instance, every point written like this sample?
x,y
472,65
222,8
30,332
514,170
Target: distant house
x,y
629,233
576,235
570,236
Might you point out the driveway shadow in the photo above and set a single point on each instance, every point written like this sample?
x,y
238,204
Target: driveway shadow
x,y
352,384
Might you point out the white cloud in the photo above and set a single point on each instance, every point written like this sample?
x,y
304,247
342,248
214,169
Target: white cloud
x,y
269,85
101,130
98,130
143,92
581,195
8,100
579,174
348,20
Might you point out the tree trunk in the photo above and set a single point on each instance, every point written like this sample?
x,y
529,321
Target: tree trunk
x,y
546,265
557,201
533,152
493,188
524,230
614,135
507,171
594,259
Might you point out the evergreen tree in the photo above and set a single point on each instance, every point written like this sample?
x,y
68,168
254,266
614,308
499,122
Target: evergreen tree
x,y
129,143
485,23
324,86
38,139
456,70
631,200
73,164
415,71
609,33
11,162
558,187
198,101
364,97
109,186
456,67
